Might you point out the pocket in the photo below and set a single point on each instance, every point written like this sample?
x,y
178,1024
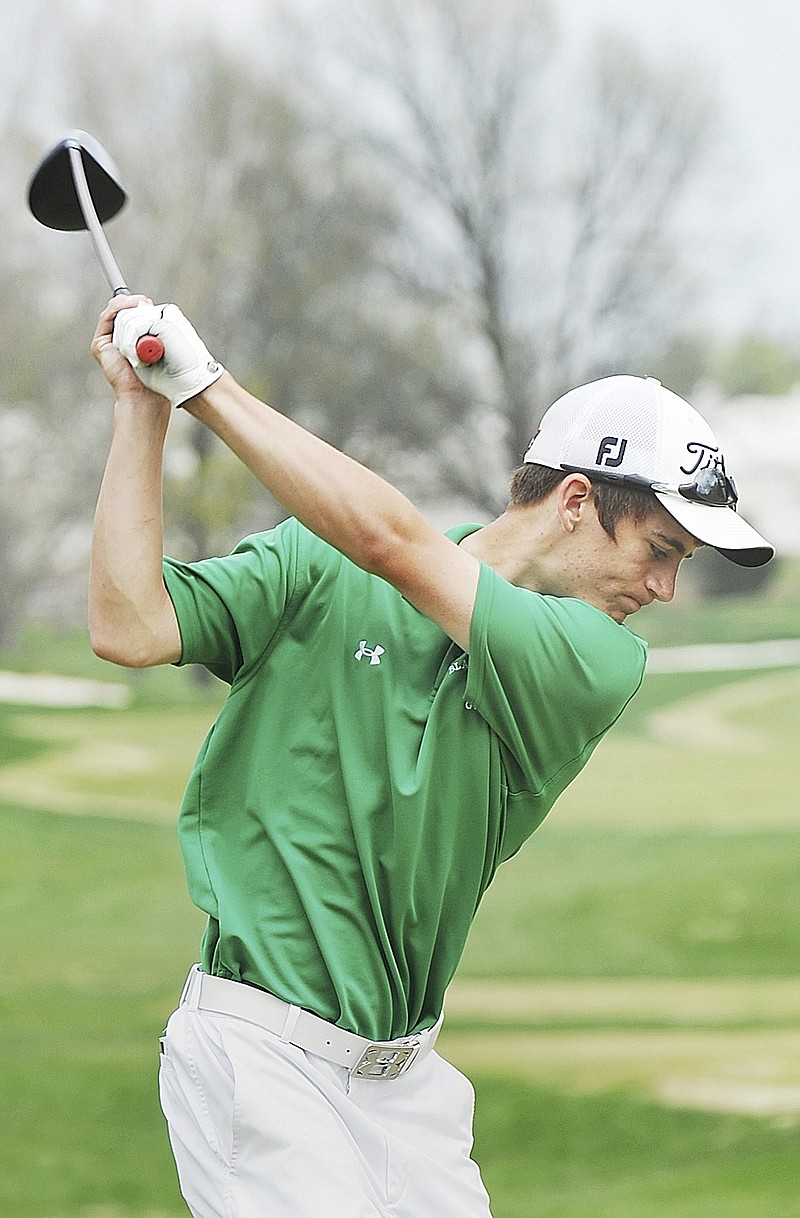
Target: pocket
x,y
196,1082
168,1093
455,1099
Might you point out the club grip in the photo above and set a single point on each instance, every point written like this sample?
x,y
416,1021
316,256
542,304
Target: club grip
x,y
150,349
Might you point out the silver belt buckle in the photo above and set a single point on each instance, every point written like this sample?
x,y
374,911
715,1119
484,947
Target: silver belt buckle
x,y
385,1061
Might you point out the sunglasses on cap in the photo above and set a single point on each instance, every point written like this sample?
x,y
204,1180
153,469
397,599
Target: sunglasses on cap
x,y
711,486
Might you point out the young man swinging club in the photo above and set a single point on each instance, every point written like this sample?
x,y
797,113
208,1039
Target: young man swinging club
x,y
404,709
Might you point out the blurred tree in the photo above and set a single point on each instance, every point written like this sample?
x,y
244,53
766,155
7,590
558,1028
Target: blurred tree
x,y
18,455
412,247
538,204
47,432
253,220
260,235
262,222
685,362
710,576
756,364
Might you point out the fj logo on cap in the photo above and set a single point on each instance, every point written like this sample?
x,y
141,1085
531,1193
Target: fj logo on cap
x,y
611,451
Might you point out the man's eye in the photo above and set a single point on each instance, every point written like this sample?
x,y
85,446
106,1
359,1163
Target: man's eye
x,y
657,552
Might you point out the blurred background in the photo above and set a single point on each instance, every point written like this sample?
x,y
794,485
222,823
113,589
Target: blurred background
x,y
411,224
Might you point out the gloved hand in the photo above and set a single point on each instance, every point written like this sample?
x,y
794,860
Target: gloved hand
x,y
187,367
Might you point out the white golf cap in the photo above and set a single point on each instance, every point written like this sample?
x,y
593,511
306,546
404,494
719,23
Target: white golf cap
x,y
633,431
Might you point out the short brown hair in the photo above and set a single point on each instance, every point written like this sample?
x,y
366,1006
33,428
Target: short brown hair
x,y
532,483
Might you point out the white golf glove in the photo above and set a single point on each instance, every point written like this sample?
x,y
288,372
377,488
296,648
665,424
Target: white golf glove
x,y
187,366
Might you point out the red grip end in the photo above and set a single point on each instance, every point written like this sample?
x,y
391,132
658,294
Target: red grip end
x,y
149,349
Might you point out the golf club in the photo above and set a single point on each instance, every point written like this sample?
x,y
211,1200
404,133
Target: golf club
x,y
76,186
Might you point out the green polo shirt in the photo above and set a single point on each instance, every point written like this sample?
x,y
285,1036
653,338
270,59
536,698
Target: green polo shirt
x,y
365,777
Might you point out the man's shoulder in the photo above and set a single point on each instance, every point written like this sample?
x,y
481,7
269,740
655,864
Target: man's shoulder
x,y
291,539
590,622
566,615
577,645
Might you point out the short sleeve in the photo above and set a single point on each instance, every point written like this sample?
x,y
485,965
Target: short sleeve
x,y
229,608
550,675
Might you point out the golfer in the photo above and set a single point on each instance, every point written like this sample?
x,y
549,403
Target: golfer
x,y
404,709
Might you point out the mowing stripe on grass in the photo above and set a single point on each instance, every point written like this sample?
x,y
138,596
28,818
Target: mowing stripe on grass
x,y
718,1002
134,764
755,1073
129,764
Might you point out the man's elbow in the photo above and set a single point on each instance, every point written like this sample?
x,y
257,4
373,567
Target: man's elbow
x,y
125,632
382,552
117,647
399,553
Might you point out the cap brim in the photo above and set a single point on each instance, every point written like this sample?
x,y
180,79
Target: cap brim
x,y
720,527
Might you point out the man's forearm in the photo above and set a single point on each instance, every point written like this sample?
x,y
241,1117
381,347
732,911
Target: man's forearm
x,y
131,620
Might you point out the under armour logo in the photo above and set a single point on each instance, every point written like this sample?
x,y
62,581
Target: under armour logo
x,y
374,653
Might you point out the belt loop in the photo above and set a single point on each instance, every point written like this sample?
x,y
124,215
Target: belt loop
x,y
292,1016
191,990
432,1033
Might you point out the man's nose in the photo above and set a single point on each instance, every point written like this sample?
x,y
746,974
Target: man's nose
x,y
662,584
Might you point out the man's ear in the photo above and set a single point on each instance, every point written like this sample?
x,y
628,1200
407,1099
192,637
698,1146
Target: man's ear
x,y
574,498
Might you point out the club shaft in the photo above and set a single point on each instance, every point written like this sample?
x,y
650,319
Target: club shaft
x,y
105,257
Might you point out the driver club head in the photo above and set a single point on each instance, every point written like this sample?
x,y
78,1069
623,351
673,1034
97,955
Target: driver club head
x,y
76,186
52,194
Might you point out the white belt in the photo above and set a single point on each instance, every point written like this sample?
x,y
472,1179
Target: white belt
x,y
363,1058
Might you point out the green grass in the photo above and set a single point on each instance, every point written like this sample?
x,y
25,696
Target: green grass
x,y
97,934
656,906
731,619
88,901
608,1156
84,1139
589,903
132,763
38,650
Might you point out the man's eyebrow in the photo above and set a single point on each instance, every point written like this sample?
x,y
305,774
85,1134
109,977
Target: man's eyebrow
x,y
674,543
